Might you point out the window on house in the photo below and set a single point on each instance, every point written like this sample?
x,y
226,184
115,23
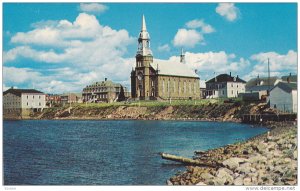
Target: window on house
x,y
39,97
39,103
231,92
190,88
27,103
231,84
163,86
27,97
223,92
184,87
168,86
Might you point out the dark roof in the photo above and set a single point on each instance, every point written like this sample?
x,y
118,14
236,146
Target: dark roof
x,y
292,78
225,78
18,92
262,81
258,88
107,83
287,87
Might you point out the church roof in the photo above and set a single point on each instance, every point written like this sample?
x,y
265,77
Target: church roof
x,y
173,68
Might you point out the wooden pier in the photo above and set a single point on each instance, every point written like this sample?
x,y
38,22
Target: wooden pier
x,y
259,118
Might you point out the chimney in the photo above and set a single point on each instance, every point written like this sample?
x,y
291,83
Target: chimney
x,y
288,79
105,79
230,74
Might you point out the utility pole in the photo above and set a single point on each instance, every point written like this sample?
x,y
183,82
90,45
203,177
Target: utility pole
x,y
269,77
70,99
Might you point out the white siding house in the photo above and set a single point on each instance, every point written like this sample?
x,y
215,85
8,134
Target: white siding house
x,y
224,86
33,100
21,101
284,97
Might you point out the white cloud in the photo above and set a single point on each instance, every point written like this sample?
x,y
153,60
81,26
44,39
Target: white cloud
x,y
63,33
19,75
164,48
280,64
82,52
95,8
187,38
196,23
209,63
228,10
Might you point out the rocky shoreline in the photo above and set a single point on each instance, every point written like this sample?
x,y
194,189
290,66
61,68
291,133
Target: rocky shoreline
x,y
267,159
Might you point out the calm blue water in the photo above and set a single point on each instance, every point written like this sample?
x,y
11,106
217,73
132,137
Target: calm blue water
x,y
107,152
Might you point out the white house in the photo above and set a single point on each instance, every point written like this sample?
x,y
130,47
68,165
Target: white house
x,y
224,86
284,97
22,101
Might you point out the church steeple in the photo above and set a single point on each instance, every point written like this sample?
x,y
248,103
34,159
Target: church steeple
x,y
144,41
144,28
182,56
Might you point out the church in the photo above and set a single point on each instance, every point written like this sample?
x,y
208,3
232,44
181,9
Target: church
x,y
160,79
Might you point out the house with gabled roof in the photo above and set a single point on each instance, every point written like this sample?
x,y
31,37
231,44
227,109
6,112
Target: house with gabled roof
x,y
262,84
224,86
284,97
20,102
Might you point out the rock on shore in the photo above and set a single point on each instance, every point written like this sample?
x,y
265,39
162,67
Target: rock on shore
x,y
265,160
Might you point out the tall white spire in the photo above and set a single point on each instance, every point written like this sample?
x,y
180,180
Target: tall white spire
x,y
144,40
144,28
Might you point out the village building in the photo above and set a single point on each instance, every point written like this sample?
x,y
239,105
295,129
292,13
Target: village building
x,y
262,84
52,99
21,102
290,78
224,86
257,88
105,91
202,93
159,79
284,97
71,98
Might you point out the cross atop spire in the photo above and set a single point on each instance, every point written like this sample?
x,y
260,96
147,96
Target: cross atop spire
x,y
144,28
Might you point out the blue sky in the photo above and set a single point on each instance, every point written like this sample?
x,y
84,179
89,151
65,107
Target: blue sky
x,y
61,47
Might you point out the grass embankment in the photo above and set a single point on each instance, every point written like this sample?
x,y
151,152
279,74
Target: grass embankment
x,y
211,109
